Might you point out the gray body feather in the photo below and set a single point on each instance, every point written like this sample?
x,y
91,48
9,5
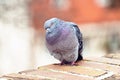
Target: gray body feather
x,y
63,40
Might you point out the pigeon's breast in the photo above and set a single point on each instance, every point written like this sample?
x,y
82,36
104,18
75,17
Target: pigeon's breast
x,y
65,42
53,37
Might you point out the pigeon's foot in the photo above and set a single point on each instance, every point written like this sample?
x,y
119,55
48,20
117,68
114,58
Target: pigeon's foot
x,y
64,62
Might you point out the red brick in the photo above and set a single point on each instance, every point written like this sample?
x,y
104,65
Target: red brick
x,y
117,76
22,77
52,74
6,78
104,60
80,70
103,66
88,69
114,56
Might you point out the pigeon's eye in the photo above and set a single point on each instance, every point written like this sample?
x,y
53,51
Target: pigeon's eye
x,y
45,28
51,24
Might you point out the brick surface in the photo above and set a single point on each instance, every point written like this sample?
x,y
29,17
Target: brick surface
x,y
77,70
113,56
15,76
117,76
103,66
52,74
104,60
89,69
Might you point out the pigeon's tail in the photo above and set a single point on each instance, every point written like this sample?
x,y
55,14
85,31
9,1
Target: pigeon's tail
x,y
80,41
80,57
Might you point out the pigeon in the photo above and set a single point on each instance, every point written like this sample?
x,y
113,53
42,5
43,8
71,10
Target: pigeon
x,y
64,41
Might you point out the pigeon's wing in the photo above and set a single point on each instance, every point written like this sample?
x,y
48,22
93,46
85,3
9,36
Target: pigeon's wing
x,y
80,40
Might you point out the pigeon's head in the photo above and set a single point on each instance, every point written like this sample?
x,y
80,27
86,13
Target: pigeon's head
x,y
49,24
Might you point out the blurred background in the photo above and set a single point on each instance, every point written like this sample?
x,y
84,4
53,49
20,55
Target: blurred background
x,y
22,37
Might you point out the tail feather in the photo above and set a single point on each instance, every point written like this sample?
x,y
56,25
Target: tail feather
x,y
80,41
80,57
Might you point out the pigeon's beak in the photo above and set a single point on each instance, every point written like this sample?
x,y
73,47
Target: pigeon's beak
x,y
48,30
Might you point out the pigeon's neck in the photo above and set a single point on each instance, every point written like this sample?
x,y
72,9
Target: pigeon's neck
x,y
53,36
57,35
